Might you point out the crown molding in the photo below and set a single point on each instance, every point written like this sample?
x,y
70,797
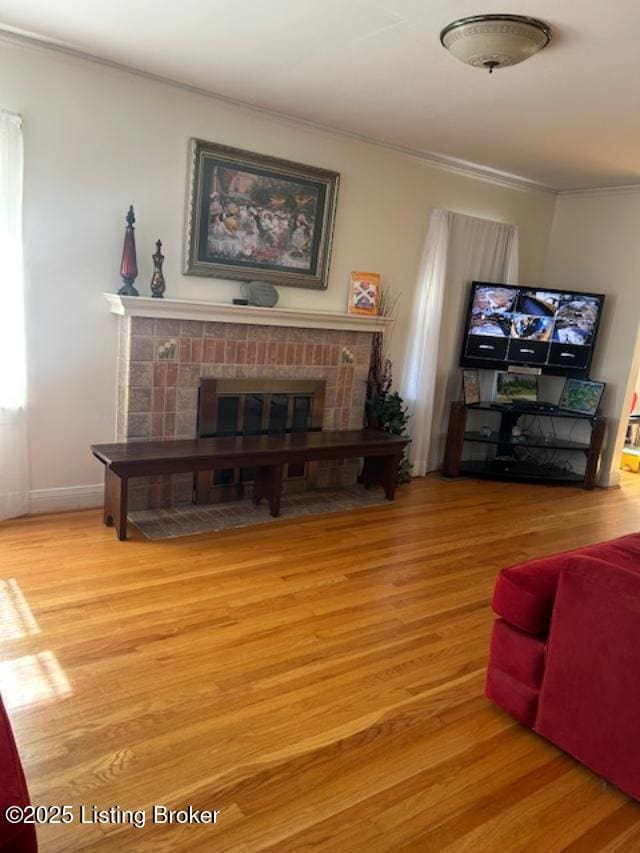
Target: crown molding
x,y
440,161
624,189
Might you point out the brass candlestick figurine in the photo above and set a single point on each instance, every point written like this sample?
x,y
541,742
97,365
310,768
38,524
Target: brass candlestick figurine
x,y
129,265
157,279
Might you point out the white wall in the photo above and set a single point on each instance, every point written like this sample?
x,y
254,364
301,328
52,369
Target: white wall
x,y
98,139
595,246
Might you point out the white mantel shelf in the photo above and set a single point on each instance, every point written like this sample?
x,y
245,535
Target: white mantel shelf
x,y
220,312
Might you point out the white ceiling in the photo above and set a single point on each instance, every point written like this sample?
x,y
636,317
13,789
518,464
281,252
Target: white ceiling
x,y
567,118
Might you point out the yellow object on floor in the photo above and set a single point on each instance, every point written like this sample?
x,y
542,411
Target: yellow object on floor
x,y
630,459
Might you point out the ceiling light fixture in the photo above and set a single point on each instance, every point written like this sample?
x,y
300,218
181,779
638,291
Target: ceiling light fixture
x,y
495,41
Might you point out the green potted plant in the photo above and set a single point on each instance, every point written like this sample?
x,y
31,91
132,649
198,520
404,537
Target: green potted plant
x,y
385,408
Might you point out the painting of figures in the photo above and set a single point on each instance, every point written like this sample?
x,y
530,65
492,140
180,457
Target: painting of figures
x,y
255,217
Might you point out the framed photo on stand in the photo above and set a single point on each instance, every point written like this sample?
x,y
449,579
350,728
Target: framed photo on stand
x,y
364,293
516,386
471,386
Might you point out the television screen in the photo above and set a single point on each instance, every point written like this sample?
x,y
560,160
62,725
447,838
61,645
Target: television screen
x,y
554,330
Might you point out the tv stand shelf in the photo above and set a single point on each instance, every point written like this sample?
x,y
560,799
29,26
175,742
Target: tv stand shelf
x,y
509,466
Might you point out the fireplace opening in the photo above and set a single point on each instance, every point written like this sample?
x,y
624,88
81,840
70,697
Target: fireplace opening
x,y
228,407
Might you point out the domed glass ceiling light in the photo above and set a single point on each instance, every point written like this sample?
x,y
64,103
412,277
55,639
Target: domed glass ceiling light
x,y
495,41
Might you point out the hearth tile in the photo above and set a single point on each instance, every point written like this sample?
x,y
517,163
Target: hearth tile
x,y
290,357
172,374
236,332
141,348
140,400
361,373
140,373
272,353
188,375
139,426
191,328
261,352
167,328
157,424
359,394
241,352
160,373
165,349
186,424
185,351
196,350
143,326
169,425
362,354
328,418
257,333
209,352
170,399
252,348
277,333
214,330
186,399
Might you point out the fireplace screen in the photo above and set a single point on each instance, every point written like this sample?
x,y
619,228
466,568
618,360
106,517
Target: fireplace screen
x,y
256,407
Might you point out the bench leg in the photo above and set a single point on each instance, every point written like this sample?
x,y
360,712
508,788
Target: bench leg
x,y
390,476
259,484
115,502
275,476
383,470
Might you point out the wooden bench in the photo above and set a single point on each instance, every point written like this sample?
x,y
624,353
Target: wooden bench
x,y
268,454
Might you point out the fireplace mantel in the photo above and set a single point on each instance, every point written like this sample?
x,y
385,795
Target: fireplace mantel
x,y
220,312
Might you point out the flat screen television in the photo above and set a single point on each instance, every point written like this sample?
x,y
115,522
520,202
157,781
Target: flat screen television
x,y
554,330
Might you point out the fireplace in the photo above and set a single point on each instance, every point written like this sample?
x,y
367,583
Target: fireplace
x,y
169,348
228,407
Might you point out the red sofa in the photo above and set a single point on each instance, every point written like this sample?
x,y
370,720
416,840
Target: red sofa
x,y
565,654
20,837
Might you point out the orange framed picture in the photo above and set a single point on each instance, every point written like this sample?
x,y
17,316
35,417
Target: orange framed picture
x,y
364,293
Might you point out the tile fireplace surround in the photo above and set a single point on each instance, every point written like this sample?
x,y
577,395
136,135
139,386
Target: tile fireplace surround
x,y
161,359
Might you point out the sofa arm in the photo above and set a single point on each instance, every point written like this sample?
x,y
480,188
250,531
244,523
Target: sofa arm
x,y
590,698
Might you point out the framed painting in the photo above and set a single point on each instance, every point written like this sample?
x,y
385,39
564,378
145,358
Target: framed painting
x,y
255,217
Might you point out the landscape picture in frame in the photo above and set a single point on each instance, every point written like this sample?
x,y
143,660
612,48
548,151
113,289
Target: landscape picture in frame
x,y
255,217
516,386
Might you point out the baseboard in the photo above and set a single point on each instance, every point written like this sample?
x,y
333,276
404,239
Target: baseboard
x,y
68,497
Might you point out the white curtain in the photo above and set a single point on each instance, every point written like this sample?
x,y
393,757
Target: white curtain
x,y
14,467
458,250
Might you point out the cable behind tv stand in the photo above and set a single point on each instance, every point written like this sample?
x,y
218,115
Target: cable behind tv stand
x,y
510,457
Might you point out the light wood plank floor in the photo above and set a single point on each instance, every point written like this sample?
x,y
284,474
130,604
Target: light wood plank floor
x,y
318,682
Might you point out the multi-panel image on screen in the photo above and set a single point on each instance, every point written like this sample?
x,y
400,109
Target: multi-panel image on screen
x,y
538,327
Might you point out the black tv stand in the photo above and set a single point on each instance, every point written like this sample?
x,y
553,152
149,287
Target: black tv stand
x,y
505,462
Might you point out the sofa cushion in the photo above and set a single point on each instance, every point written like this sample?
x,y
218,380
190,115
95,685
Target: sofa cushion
x,y
524,594
590,698
517,653
13,792
517,699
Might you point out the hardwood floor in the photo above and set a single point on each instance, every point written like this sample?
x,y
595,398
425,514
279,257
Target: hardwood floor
x,y
318,682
